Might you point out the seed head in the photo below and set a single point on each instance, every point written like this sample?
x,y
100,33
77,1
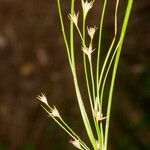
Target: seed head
x,y
55,112
91,31
42,98
99,116
75,143
74,18
87,50
87,6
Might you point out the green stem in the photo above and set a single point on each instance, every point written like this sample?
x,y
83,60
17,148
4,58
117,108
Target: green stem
x,y
87,79
83,113
74,133
123,31
110,49
80,101
98,64
99,45
79,98
107,71
92,78
104,66
94,98
72,33
71,134
84,57
64,33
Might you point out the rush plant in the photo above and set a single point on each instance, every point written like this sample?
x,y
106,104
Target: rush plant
x,y
95,75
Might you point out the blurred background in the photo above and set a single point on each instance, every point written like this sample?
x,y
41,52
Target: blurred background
x,y
33,60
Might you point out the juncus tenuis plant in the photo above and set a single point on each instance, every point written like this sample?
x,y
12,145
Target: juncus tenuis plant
x,y
98,135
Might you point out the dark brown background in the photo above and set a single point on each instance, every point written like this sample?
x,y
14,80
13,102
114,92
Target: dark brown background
x,y
33,60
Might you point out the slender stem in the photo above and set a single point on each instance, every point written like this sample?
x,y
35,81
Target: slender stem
x,y
58,122
106,74
74,133
71,34
80,101
92,78
64,33
98,64
84,57
94,90
99,45
86,74
70,131
104,66
79,97
94,98
123,31
80,34
87,80
98,131
84,114
98,89
110,49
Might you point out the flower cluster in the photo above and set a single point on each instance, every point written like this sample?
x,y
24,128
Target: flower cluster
x,y
74,18
91,31
75,143
53,111
86,7
42,98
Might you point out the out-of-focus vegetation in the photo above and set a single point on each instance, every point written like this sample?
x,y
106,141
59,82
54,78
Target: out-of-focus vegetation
x,y
33,60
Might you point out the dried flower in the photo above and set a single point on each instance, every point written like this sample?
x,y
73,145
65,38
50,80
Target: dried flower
x,y
42,98
74,18
99,116
55,112
75,143
91,31
87,6
87,50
